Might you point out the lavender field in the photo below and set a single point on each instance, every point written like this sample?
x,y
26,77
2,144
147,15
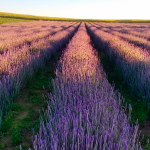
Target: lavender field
x,y
83,108
130,53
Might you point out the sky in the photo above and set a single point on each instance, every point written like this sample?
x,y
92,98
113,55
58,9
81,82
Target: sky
x,y
81,9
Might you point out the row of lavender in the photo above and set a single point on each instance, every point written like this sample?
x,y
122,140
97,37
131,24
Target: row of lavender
x,y
16,51
84,112
14,55
131,60
140,30
132,35
17,35
22,64
137,39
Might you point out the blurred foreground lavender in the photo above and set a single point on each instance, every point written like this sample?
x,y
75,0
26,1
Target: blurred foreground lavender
x,y
84,112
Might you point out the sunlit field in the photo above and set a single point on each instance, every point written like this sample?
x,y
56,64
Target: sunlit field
x,y
10,17
74,85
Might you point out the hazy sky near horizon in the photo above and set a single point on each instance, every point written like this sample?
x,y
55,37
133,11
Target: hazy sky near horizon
x,y
82,9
